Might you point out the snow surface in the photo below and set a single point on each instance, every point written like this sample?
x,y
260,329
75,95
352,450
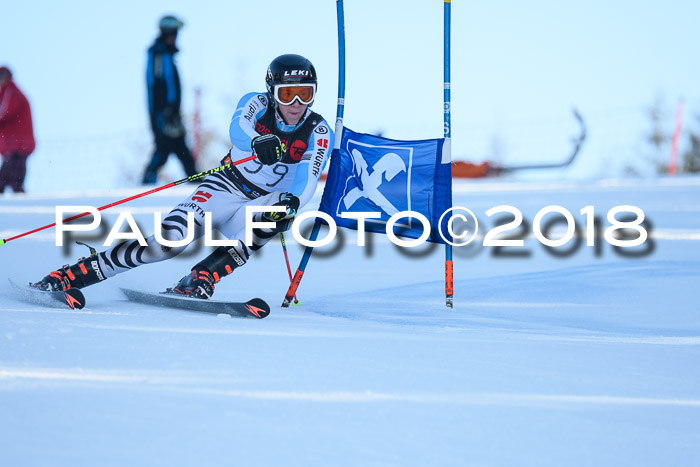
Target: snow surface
x,y
588,359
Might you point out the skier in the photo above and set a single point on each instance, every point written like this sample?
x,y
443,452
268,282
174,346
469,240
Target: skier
x,y
164,92
291,144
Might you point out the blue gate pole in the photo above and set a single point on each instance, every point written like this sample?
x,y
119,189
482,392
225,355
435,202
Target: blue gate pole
x,y
291,292
341,77
447,150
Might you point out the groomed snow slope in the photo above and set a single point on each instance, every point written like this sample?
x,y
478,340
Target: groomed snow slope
x,y
587,359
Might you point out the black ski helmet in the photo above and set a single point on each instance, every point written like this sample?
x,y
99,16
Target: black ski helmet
x,y
289,69
169,25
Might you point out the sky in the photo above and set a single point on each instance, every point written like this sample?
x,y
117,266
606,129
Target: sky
x,y
518,70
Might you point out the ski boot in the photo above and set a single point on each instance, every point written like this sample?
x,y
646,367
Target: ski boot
x,y
200,282
197,284
82,274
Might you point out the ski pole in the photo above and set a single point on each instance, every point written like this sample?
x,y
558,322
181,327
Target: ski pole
x,y
292,291
286,259
191,178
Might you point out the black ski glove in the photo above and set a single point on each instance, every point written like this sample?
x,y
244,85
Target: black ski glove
x,y
268,148
290,203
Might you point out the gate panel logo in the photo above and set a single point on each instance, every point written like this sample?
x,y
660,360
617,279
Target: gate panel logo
x,y
380,180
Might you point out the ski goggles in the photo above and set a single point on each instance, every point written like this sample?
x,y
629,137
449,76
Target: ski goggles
x,y
286,94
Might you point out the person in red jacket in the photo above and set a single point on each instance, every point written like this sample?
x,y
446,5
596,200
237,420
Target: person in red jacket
x,y
16,133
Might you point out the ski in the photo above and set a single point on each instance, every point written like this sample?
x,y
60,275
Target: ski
x,y
253,308
71,298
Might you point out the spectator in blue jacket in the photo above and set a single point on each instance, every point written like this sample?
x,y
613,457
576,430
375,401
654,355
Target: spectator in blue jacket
x,y
163,82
